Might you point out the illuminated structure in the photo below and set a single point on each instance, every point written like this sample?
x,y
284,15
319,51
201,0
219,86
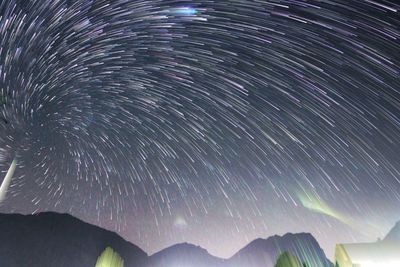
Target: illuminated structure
x,y
109,258
379,254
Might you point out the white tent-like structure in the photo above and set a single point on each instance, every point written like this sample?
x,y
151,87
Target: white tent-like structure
x,y
379,254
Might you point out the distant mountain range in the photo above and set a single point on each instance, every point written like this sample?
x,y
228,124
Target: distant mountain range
x,y
60,240
185,255
259,253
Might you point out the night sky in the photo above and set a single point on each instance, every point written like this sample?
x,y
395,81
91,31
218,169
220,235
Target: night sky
x,y
211,122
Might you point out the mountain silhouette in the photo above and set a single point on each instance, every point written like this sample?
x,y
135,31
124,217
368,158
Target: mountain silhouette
x,y
184,255
59,240
265,252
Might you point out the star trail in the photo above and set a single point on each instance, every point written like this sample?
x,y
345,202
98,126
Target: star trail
x,y
211,122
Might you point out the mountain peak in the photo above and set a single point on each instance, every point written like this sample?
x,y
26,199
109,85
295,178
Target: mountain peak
x,y
266,251
184,254
185,246
290,235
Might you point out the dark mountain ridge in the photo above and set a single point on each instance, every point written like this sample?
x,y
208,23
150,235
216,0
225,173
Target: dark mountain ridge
x,y
264,252
59,240
184,254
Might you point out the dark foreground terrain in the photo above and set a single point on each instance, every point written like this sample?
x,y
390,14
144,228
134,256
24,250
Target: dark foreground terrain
x,y
60,240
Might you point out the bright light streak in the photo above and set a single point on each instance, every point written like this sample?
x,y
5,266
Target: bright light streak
x,y
7,180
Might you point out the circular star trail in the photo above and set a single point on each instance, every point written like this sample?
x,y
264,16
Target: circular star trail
x,y
176,120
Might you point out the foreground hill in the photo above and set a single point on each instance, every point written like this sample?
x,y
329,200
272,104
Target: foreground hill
x,y
60,240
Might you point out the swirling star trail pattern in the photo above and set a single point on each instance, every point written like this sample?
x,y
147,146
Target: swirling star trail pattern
x,y
175,121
